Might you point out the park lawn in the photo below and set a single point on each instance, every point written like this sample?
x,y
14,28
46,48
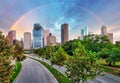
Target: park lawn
x,y
114,69
59,76
16,71
103,62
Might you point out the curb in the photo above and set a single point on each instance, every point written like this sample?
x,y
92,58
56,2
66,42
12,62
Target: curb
x,y
18,74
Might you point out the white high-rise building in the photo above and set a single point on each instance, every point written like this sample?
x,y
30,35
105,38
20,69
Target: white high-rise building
x,y
27,41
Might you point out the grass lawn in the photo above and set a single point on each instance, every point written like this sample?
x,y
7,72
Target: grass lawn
x,y
114,69
59,76
16,70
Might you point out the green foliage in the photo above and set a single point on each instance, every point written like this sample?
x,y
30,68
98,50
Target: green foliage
x,y
49,51
18,52
59,57
15,71
7,54
95,42
104,53
82,66
70,46
5,60
114,56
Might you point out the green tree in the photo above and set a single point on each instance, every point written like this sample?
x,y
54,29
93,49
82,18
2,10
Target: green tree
x,y
49,51
104,53
95,43
18,52
59,57
82,66
71,45
114,56
5,60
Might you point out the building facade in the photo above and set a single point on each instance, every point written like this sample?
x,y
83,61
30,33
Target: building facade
x,y
64,33
51,39
86,30
11,36
110,37
46,34
104,30
82,33
38,36
27,41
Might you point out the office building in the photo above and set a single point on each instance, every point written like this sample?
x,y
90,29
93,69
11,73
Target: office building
x,y
104,30
86,30
110,37
11,36
27,41
64,33
51,39
82,33
38,36
46,33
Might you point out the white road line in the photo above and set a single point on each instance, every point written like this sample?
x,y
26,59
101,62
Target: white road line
x,y
100,80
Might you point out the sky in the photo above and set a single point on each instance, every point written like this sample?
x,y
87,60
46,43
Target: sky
x,y
20,15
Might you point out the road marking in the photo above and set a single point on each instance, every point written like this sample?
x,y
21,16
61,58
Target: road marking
x,y
100,80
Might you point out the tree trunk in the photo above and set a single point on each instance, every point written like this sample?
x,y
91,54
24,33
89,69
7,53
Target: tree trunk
x,y
110,64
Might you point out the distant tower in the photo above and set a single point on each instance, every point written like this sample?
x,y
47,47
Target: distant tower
x,y
38,36
110,37
46,33
86,30
11,36
64,33
51,39
104,30
82,33
27,41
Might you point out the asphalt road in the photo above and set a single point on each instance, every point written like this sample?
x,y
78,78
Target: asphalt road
x,y
107,78
33,72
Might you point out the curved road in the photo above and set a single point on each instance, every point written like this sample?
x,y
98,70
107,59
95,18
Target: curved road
x,y
33,72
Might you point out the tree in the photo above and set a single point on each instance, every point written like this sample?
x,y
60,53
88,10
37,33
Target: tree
x,y
49,51
114,56
8,53
5,60
70,46
104,53
59,57
96,42
18,52
82,66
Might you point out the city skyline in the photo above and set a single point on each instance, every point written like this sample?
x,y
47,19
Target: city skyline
x,y
51,14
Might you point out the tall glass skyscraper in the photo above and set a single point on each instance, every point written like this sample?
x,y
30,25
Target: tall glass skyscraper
x,y
84,32
38,35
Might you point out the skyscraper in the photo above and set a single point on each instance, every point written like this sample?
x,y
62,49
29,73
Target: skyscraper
x,y
11,36
27,41
64,33
86,30
46,33
82,33
104,30
51,39
38,36
110,37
